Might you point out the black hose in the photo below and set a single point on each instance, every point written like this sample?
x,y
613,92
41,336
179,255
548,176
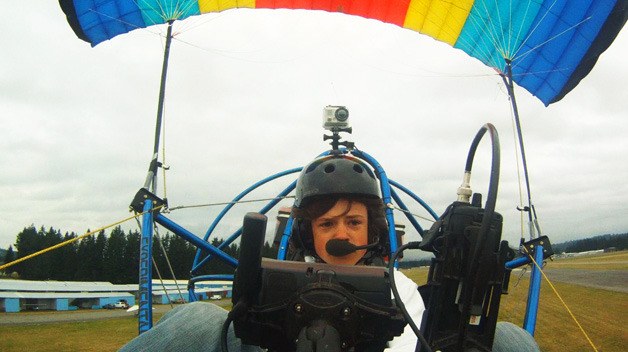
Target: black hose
x,y
489,211
421,343
238,309
223,333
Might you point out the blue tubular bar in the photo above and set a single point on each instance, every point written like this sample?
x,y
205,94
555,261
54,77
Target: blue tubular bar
x,y
190,237
226,209
216,277
386,197
145,313
191,295
192,281
408,215
534,293
238,232
416,198
515,263
285,238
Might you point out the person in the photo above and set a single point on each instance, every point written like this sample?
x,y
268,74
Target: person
x,y
337,198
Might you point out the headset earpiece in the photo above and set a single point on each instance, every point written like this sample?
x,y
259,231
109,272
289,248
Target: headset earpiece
x,y
302,235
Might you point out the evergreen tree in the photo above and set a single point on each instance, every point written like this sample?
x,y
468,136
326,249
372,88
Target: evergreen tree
x,y
85,257
53,261
28,241
181,255
113,264
131,258
160,256
68,259
9,255
97,269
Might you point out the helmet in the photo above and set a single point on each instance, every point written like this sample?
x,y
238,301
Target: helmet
x,y
335,175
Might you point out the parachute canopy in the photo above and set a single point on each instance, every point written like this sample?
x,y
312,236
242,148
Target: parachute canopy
x,y
551,44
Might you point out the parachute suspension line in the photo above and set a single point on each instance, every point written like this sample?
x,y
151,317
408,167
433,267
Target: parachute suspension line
x,y
510,49
394,207
161,280
533,222
71,240
149,184
163,250
549,40
228,203
485,25
164,165
535,263
514,135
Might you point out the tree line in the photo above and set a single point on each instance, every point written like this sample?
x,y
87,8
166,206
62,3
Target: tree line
x,y
616,241
112,257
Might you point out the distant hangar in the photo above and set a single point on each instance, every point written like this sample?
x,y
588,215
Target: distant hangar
x,y
20,295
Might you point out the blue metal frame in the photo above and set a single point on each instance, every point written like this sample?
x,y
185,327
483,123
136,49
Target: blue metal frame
x,y
388,196
534,290
145,313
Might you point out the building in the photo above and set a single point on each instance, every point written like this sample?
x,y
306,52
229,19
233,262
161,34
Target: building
x,y
21,295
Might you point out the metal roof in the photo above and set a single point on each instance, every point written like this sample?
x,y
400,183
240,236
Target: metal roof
x,y
95,286
55,295
62,286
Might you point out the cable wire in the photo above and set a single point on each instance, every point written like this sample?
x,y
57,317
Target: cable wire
x,y
560,298
422,344
59,245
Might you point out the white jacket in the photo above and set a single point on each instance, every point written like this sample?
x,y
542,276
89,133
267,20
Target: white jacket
x,y
414,305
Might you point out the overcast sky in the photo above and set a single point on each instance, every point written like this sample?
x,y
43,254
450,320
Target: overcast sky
x,y
245,95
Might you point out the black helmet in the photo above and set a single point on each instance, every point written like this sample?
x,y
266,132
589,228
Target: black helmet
x,y
335,175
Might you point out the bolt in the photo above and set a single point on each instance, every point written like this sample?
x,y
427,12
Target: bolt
x,y
346,311
298,308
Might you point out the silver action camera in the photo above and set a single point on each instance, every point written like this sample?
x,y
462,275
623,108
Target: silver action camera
x,y
335,117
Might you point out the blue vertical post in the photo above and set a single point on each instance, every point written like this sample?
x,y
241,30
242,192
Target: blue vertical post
x,y
145,317
534,292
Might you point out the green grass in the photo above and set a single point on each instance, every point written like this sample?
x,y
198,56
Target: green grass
x,y
602,314
94,335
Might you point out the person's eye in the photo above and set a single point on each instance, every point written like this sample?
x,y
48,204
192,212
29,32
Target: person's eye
x,y
326,224
355,222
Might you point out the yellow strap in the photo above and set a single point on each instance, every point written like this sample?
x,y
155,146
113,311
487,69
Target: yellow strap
x,y
59,245
561,300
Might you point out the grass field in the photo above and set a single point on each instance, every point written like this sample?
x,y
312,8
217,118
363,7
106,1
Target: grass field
x,y
602,314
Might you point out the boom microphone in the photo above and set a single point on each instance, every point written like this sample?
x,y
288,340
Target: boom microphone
x,y
340,248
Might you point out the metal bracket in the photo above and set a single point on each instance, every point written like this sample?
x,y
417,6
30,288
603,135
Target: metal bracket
x,y
539,241
142,195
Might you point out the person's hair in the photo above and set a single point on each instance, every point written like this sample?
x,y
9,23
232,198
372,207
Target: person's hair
x,y
302,237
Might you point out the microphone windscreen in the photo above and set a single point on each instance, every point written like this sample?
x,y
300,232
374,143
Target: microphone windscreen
x,y
339,248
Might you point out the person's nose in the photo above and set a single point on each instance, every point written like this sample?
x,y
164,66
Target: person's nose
x,y
342,231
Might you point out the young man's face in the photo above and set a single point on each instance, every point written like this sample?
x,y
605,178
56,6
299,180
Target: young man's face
x,y
341,222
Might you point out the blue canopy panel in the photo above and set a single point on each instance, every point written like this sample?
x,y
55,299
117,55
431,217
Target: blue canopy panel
x,y
98,20
552,44
565,45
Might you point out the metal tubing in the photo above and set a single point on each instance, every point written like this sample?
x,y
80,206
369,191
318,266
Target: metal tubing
x,y
410,218
534,293
192,238
415,197
238,232
285,238
197,261
152,168
508,81
515,263
145,313
386,197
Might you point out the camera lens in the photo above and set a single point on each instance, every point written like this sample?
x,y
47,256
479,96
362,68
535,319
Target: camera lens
x,y
342,114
